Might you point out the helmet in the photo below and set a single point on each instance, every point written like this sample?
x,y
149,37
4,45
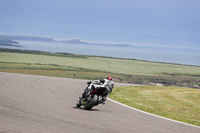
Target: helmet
x,y
109,78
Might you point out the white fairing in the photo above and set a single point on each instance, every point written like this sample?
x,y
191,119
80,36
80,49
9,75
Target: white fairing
x,y
96,83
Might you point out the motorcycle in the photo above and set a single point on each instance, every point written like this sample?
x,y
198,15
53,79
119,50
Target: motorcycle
x,y
92,94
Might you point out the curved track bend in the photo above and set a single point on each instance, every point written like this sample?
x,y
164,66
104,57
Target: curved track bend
x,y
39,104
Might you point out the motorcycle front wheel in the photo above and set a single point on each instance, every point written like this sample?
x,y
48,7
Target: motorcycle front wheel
x,y
78,104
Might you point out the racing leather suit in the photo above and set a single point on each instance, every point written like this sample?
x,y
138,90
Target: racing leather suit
x,y
109,85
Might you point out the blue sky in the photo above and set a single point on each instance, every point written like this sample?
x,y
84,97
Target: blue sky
x,y
168,23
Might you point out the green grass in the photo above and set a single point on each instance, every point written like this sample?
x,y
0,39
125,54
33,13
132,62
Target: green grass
x,y
113,65
178,103
53,70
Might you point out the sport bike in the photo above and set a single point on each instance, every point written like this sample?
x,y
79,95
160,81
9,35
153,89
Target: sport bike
x,y
92,94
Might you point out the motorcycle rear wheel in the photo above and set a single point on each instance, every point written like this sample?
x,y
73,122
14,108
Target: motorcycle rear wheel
x,y
92,103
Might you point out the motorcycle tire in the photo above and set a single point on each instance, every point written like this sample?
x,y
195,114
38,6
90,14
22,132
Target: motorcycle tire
x,y
92,103
78,104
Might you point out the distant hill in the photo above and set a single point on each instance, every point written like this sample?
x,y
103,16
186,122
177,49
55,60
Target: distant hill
x,y
27,38
46,39
8,42
78,41
42,39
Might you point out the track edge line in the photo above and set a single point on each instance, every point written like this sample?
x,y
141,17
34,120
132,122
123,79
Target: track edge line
x,y
153,114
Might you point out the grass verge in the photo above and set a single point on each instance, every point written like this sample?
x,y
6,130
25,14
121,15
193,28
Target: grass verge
x,y
55,70
113,65
177,103
123,70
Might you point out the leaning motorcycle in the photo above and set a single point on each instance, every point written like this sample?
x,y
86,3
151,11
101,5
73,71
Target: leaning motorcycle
x,y
92,94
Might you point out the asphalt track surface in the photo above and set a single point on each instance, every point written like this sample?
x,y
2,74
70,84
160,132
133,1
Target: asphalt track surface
x,y
39,104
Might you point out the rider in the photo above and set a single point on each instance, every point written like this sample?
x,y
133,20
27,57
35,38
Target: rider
x,y
109,85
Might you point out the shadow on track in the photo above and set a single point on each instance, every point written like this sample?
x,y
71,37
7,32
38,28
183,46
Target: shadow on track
x,y
81,108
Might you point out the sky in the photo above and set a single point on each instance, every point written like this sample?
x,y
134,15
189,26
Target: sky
x,y
164,23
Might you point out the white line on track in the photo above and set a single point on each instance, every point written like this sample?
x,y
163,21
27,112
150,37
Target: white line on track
x,y
152,114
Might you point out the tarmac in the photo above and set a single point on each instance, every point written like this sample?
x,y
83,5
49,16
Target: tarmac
x,y
41,104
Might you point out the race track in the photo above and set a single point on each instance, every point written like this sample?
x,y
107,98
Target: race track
x,y
39,104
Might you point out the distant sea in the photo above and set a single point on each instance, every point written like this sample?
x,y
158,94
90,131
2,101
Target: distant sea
x,y
149,53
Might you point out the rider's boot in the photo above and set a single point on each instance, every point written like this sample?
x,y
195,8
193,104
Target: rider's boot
x,y
102,101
